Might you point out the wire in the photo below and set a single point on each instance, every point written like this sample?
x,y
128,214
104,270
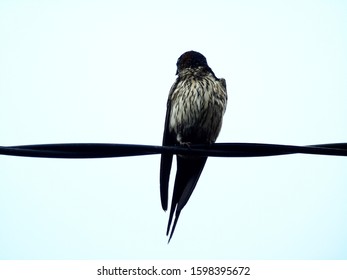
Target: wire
x,y
97,150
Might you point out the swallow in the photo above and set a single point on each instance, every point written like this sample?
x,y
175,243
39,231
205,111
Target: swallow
x,y
196,104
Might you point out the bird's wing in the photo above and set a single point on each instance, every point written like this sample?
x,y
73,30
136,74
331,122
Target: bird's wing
x,y
223,84
166,159
187,176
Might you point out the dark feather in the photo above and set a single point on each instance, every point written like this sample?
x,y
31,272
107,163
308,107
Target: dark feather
x,y
188,173
166,159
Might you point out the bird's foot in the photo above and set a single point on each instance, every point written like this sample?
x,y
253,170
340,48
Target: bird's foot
x,y
186,144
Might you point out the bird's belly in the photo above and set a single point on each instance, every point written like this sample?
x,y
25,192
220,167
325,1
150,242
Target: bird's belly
x,y
196,119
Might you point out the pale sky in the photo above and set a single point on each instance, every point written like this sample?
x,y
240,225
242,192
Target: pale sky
x,y
100,72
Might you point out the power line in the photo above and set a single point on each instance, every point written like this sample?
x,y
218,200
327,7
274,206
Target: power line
x,y
97,150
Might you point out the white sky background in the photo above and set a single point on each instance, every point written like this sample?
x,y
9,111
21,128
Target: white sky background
x,y
100,72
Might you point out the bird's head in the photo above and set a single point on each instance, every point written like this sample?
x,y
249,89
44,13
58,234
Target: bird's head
x,y
192,60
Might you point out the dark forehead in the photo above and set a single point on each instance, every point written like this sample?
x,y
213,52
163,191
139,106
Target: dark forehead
x,y
191,59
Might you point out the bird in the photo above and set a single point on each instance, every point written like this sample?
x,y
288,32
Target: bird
x,y
196,104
